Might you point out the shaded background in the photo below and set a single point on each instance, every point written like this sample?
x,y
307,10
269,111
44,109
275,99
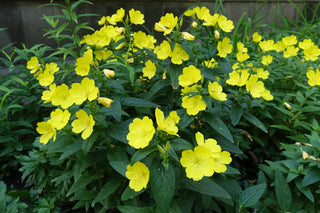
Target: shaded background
x,y
24,24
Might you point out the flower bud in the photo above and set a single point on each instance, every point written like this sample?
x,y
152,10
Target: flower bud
x,y
158,27
187,36
305,155
216,34
108,73
194,24
287,105
105,101
120,30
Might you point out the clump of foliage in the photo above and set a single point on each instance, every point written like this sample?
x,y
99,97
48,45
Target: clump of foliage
x,y
136,124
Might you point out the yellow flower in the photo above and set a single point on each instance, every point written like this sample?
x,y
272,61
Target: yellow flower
x,y
198,163
108,73
138,174
105,101
238,79
163,51
102,54
266,60
33,65
58,118
62,97
83,63
52,68
102,20
289,41
194,24
136,17
224,47
311,53
193,89
242,56
254,86
211,20
290,52
225,24
267,45
202,12
306,44
279,46
241,47
256,37
313,77
117,17
261,73
266,95
211,63
187,36
149,70
215,91
169,124
190,75
193,104
83,91
142,40
47,132
219,158
84,123
45,78
169,21
179,55
47,94
141,132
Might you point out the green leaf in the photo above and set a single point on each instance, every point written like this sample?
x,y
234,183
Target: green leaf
x,y
129,193
255,121
109,188
135,209
208,187
250,196
138,102
82,182
162,184
181,144
312,176
120,166
282,127
283,192
236,114
156,88
72,149
142,153
305,190
216,123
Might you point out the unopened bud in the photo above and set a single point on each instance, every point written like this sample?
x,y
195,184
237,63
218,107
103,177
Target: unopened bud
x,y
160,28
161,150
105,101
194,24
130,60
187,36
216,34
108,73
120,30
287,105
302,61
305,155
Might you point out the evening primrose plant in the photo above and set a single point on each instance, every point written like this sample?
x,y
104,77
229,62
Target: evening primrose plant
x,y
137,123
